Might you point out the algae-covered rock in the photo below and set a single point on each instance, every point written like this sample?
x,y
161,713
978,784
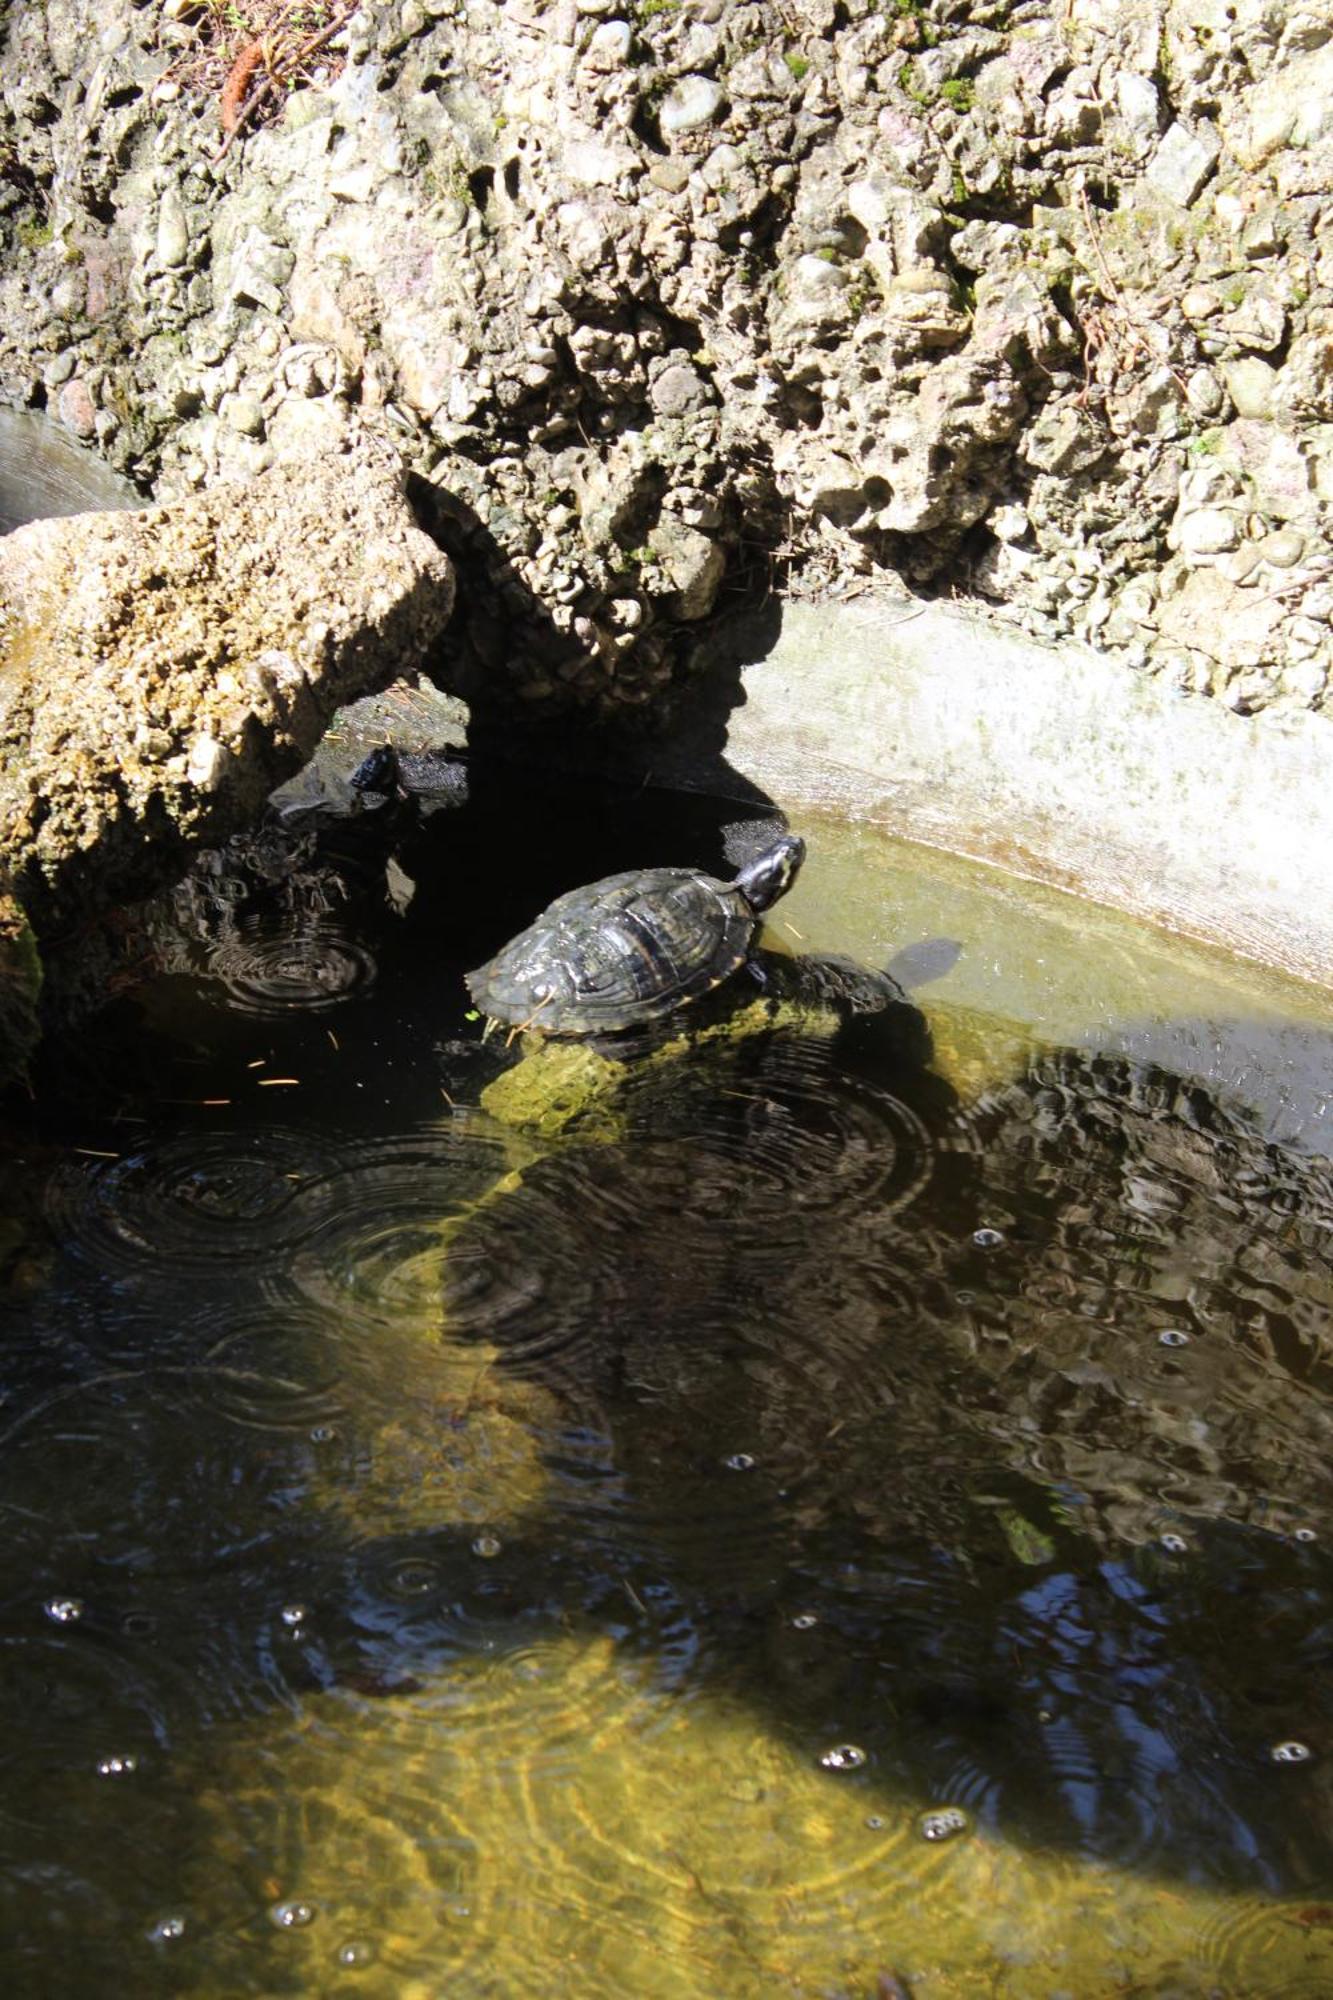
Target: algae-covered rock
x,y
577,1089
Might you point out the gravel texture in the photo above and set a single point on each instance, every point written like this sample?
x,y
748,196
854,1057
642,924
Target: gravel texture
x,y
1031,304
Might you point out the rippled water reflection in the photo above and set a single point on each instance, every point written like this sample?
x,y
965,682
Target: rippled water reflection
x,y
805,1528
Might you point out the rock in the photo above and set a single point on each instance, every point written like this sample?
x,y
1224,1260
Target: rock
x,y
160,671
691,103
1062,440
20,985
694,564
1283,548
678,389
1207,532
1271,463
1250,384
1291,106
173,230
1184,161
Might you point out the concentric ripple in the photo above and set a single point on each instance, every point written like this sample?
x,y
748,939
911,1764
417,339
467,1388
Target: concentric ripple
x,y
786,1127
373,1234
274,972
1281,1949
194,1201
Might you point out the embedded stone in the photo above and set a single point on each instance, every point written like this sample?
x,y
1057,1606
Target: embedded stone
x,y
1183,161
690,104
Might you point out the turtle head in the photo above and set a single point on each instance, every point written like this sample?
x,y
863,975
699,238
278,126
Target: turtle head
x,y
772,873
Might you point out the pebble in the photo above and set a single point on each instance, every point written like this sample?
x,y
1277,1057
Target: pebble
x,y
690,104
1283,548
1184,160
1250,384
1209,532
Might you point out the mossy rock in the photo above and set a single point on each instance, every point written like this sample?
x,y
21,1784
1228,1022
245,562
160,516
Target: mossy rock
x,y
576,1089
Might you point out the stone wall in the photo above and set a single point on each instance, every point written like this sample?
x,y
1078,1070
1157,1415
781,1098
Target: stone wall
x,y
1031,304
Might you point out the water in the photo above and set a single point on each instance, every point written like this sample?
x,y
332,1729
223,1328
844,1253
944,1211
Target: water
x,y
843,1510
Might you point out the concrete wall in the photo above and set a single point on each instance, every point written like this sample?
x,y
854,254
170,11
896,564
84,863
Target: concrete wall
x,y
1057,764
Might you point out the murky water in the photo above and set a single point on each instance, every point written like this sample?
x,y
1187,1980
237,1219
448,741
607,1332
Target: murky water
x,y
840,1509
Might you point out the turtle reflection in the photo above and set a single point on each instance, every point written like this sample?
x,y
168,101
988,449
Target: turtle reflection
x,y
889,1428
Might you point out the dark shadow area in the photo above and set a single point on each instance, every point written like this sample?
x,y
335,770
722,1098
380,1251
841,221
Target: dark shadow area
x,y
678,738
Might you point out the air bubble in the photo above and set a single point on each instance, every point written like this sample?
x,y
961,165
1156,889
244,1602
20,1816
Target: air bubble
x,y
323,1434
942,1823
487,1545
988,1239
292,1916
804,1620
740,1461
64,1610
1175,1545
116,1767
356,1951
1291,1752
166,1929
876,1822
843,1757
294,1616
1173,1336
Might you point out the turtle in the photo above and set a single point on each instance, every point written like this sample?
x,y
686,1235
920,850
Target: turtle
x,y
626,952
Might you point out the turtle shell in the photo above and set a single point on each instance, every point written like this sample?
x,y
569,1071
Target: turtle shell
x,y
618,954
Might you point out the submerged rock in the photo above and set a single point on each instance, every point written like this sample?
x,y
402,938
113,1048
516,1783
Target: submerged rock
x,y
161,671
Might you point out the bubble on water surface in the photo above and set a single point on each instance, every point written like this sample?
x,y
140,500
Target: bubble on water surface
x,y
843,1757
292,1916
167,1929
1175,1545
356,1952
64,1610
1291,1752
1304,1535
739,1461
942,1823
803,1621
1173,1336
487,1545
413,1578
116,1766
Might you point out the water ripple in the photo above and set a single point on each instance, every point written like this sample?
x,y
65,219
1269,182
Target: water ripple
x,y
310,968
192,1202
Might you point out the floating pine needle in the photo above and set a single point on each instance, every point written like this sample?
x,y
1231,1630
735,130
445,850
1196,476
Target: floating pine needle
x,y
258,1062
333,1038
792,928
275,1082
94,1153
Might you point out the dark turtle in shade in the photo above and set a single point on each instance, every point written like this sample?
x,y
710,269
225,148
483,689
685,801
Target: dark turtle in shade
x,y
628,951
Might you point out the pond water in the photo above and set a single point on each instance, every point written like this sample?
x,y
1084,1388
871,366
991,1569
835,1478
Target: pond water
x,y
839,1508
